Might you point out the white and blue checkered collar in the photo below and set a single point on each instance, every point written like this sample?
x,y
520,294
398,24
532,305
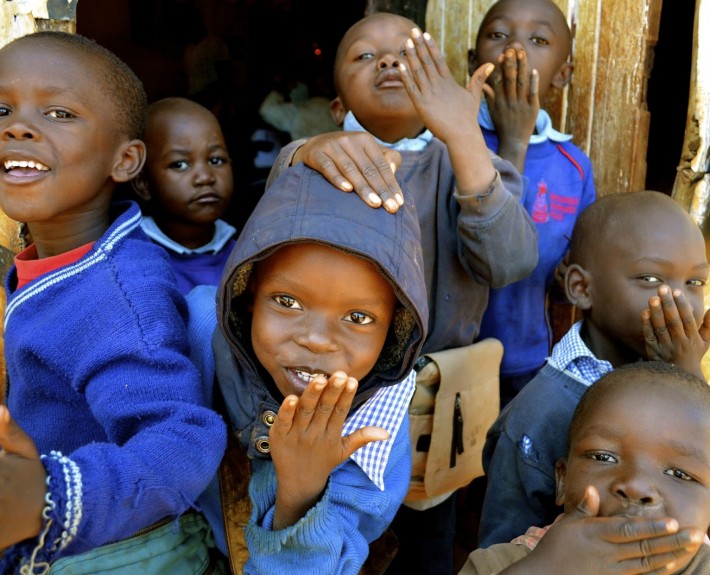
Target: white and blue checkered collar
x,y
571,354
386,408
543,126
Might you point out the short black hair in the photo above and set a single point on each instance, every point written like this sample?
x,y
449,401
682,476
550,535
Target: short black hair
x,y
654,373
122,86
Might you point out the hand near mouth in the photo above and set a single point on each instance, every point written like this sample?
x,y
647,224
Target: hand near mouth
x,y
307,445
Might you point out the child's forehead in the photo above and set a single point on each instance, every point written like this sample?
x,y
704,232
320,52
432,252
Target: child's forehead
x,y
538,11
377,27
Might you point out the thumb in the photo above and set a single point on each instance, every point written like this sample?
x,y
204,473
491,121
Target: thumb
x,y
478,80
589,506
393,157
13,439
362,437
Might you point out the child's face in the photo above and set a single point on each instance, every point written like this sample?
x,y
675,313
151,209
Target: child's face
x,y
535,26
661,247
317,310
187,169
59,144
647,452
366,72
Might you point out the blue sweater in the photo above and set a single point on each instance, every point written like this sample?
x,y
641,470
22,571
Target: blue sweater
x,y
100,378
558,185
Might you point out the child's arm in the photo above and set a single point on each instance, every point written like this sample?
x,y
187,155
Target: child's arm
x,y
306,444
513,105
600,545
671,333
23,483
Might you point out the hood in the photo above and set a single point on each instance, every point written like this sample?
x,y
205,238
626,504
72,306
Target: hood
x,y
299,206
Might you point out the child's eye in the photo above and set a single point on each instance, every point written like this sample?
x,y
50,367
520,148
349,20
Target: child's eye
x,y
60,114
678,473
4,111
180,165
696,283
497,35
366,56
287,301
651,279
217,161
602,456
359,318
539,41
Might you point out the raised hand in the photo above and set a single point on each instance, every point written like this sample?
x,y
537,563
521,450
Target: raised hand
x,y
513,102
306,443
22,483
619,545
671,333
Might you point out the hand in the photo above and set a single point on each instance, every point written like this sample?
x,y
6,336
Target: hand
x,y
671,334
354,161
449,111
619,545
22,483
513,102
306,443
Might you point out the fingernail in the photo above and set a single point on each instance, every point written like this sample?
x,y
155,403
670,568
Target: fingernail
x,y
374,199
489,69
392,205
393,167
399,198
347,186
416,32
663,290
427,36
410,44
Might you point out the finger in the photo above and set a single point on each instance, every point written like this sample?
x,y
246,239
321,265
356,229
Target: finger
x,y
436,56
345,401
308,403
649,336
658,322
704,329
589,505
421,63
685,313
371,174
510,74
671,313
13,439
523,86
329,399
477,81
361,437
535,89
676,543
635,529
284,419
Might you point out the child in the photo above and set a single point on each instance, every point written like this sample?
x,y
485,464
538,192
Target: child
x,y
475,231
628,252
109,441
186,185
530,41
635,484
322,313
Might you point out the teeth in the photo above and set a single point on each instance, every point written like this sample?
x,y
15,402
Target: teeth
x,y
306,376
10,164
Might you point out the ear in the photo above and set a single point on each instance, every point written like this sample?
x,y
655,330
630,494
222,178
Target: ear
x,y
337,111
577,286
130,161
141,187
472,61
560,476
563,76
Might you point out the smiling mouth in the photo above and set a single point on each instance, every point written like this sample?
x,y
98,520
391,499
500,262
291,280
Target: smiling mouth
x,y
307,376
10,165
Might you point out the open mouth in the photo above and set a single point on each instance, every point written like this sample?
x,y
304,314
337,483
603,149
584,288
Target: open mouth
x,y
14,165
307,376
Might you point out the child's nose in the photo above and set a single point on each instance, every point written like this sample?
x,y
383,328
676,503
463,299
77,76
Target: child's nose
x,y
388,60
204,174
316,335
15,127
636,489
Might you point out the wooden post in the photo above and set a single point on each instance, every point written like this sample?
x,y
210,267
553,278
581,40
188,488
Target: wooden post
x,y
17,19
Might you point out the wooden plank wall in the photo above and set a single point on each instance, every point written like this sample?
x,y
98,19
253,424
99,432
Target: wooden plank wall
x,y
604,107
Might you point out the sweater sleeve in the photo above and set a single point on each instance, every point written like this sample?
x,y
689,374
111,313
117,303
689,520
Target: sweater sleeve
x,y
498,238
333,537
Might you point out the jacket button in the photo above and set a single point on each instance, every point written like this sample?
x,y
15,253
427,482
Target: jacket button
x,y
268,417
263,445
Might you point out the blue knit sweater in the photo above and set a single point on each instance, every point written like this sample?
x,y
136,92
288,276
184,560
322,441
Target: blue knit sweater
x,y
100,378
